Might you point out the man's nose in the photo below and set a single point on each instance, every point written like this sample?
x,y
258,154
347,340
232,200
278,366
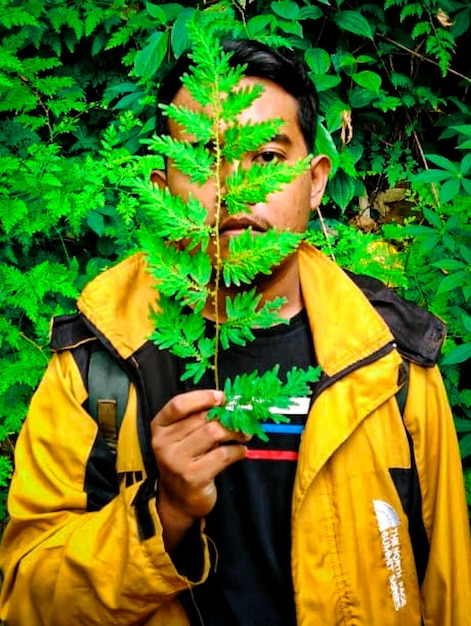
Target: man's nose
x,y
227,169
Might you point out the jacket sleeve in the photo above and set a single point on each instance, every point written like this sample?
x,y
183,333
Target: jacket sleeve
x,y
59,560
446,589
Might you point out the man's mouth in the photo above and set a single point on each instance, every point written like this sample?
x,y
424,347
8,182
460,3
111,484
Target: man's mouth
x,y
236,224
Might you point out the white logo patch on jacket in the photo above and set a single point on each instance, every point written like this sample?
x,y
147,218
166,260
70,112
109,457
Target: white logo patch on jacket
x,y
388,523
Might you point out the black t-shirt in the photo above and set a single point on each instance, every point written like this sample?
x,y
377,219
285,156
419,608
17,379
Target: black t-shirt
x,y
249,526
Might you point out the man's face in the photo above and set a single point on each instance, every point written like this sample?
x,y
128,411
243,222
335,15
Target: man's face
x,y
288,209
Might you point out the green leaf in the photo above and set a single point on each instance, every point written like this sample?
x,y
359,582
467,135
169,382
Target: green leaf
x,y
180,40
465,166
450,189
318,60
360,98
286,9
461,22
460,354
354,22
462,425
442,162
259,24
465,446
244,313
452,281
466,182
181,274
341,189
156,12
334,115
171,217
292,28
430,176
432,218
449,265
345,61
368,80
310,13
172,10
326,145
464,129
148,60
324,82
465,252
96,221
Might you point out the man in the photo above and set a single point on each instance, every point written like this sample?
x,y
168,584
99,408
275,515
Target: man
x,y
355,514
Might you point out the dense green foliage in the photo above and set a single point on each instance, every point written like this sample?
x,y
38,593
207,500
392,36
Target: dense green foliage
x,y
78,83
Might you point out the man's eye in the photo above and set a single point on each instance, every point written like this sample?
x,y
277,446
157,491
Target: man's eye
x,y
267,156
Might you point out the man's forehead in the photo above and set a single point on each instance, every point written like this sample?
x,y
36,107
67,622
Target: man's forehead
x,y
273,103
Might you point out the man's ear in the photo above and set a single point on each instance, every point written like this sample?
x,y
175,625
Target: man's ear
x,y
320,170
158,178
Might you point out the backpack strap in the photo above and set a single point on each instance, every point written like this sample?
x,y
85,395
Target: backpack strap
x,y
108,390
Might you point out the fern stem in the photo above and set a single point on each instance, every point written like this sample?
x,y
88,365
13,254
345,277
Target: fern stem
x,y
36,345
217,279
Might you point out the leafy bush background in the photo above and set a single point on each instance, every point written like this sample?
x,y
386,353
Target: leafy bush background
x,y
78,81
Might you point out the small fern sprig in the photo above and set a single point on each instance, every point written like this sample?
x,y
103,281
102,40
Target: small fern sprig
x,y
252,399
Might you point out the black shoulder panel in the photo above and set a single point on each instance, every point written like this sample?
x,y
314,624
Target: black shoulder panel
x,y
69,331
419,334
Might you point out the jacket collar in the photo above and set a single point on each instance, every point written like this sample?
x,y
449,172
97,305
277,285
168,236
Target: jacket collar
x,y
118,304
345,327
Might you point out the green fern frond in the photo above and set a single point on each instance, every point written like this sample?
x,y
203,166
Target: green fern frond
x,y
11,16
420,29
94,16
188,278
180,273
193,160
413,9
247,186
24,368
173,218
242,138
244,313
193,122
237,101
251,254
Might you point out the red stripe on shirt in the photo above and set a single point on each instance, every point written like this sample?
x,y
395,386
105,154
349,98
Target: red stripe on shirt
x,y
272,455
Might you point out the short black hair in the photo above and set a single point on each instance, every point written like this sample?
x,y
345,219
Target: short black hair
x,y
262,61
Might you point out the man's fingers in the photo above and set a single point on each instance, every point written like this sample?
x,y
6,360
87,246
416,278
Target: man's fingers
x,y
189,403
211,434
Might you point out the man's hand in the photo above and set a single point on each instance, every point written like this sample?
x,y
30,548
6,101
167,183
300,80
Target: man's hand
x,y
189,457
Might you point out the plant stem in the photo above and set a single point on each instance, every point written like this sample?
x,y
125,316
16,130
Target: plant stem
x,y
422,57
218,263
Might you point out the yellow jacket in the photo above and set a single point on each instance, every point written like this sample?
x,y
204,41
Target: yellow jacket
x,y
84,545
